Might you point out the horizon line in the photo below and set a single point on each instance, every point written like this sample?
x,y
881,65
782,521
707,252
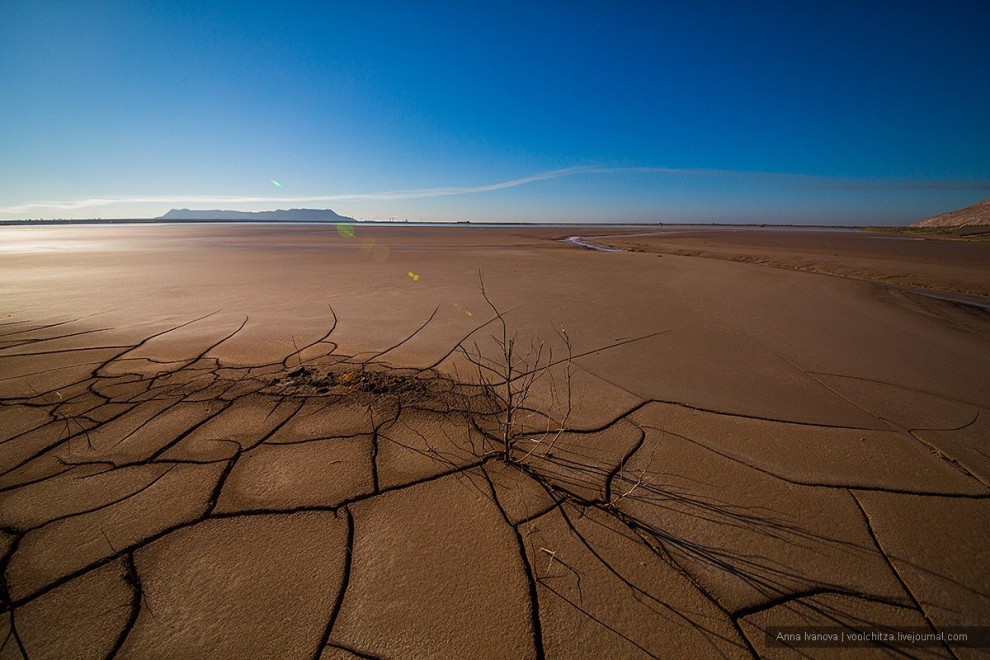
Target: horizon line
x,y
811,182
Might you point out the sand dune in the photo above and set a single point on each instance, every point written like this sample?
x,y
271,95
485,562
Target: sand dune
x,y
976,215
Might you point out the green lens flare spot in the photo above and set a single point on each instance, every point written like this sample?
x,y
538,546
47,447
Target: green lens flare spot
x,y
347,231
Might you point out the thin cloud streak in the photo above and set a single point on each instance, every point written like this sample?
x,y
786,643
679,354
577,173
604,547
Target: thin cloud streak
x,y
348,197
811,182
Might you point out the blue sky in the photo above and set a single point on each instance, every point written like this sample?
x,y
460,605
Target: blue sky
x,y
798,112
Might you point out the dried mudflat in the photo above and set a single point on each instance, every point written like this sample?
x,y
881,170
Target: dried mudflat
x,y
247,441
950,263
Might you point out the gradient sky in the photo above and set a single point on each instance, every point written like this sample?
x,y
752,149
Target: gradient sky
x,y
832,113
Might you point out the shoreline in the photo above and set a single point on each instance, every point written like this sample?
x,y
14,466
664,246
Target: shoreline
x,y
947,265
387,223
956,297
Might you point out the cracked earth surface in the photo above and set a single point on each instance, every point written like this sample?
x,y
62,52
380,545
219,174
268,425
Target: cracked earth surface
x,y
170,489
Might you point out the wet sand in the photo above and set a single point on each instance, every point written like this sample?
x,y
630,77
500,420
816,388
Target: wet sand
x,y
261,441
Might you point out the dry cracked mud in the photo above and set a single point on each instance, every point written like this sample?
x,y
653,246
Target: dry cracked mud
x,y
340,507
160,499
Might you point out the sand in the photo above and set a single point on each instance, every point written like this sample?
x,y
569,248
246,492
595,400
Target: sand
x,y
236,441
948,263
977,216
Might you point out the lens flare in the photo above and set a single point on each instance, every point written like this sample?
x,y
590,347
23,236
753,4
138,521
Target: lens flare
x,y
347,231
413,276
276,183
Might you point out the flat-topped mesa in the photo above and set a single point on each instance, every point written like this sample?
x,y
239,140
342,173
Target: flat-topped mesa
x,y
290,215
976,215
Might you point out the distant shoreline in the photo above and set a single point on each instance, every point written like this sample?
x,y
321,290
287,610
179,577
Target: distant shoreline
x,y
389,223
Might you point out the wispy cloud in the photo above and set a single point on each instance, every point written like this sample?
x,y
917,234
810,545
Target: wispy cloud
x,y
797,180
419,193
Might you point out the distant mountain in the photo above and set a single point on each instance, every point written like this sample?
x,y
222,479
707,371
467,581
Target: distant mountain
x,y
291,215
971,216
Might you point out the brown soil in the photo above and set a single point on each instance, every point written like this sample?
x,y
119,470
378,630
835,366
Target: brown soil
x,y
909,259
259,441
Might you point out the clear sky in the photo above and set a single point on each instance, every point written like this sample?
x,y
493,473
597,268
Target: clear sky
x,y
805,112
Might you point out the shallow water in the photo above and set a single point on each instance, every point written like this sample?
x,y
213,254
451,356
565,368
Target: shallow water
x,y
578,240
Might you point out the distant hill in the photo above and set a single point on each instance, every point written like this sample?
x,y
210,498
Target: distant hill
x,y
977,214
291,215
